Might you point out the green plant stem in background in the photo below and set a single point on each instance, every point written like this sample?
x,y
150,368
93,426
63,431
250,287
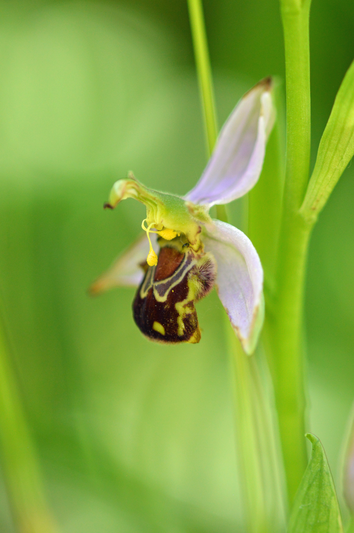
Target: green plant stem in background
x,y
20,467
259,474
258,456
205,82
264,224
248,444
350,528
204,71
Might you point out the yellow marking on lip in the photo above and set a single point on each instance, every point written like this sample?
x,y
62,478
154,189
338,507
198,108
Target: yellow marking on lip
x,y
182,313
159,328
195,338
183,310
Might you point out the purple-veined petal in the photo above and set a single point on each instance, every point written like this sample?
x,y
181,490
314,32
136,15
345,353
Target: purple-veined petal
x,y
239,280
237,160
126,271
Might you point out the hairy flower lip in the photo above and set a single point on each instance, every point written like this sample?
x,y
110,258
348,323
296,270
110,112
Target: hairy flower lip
x,y
231,172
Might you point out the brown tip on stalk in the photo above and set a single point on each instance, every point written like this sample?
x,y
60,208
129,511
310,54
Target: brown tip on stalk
x,y
267,83
108,206
91,291
95,288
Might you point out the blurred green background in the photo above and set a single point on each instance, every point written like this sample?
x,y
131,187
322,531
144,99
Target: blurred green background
x,y
134,436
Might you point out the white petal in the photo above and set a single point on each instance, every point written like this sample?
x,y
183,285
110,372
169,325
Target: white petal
x,y
239,279
126,271
237,160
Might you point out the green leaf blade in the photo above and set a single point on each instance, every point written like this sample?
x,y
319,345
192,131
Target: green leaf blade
x,y
316,508
335,151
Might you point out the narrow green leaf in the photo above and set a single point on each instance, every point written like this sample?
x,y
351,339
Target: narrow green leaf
x,y
335,150
316,507
348,469
204,71
20,466
260,466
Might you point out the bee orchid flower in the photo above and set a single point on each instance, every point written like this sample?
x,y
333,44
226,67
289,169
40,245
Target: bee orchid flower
x,y
196,252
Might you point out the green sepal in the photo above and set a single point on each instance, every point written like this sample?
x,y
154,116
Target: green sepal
x,y
316,508
163,210
335,150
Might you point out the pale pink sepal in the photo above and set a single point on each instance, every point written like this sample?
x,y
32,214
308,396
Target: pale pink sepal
x,y
237,160
126,270
239,279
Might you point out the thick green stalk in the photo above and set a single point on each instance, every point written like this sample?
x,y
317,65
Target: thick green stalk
x,y
20,467
285,320
286,348
295,18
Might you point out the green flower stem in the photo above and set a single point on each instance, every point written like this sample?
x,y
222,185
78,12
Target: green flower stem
x,y
19,463
284,323
204,71
285,330
295,18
